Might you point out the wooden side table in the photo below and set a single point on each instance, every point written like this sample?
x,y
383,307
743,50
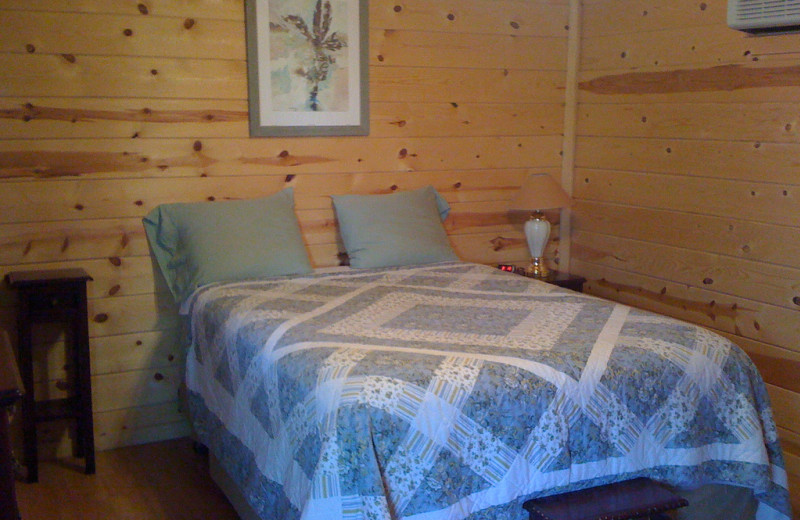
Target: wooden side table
x,y
55,296
565,280
10,392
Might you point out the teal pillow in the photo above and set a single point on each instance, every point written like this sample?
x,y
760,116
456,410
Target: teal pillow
x,y
199,243
392,230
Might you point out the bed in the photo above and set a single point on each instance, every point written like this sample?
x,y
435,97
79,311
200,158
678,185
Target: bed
x,y
450,390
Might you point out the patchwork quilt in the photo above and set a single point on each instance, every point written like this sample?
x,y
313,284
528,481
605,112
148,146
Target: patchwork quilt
x,y
458,391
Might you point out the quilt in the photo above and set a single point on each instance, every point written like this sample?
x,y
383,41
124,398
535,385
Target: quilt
x,y
458,391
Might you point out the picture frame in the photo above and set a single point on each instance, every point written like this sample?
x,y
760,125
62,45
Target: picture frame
x,y
307,67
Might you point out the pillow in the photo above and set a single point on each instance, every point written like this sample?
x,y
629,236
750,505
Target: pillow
x,y
393,230
199,243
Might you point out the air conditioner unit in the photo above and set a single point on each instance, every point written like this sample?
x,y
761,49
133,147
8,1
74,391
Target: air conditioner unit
x,y
760,16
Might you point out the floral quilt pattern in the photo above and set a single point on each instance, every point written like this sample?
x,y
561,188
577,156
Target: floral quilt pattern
x,y
458,391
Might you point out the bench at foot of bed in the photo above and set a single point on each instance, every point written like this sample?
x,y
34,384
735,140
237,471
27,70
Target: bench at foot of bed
x,y
637,498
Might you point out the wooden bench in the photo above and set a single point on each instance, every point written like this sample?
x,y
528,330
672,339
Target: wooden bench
x,y
637,498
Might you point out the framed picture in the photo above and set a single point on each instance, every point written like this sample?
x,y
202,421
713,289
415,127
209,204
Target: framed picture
x,y
307,67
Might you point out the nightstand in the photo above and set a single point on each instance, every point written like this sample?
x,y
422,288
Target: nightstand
x,y
55,296
565,280
10,392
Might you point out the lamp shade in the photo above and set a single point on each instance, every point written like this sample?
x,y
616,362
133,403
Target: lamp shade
x,y
539,192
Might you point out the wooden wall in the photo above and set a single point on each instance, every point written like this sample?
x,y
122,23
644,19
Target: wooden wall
x,y
110,107
688,181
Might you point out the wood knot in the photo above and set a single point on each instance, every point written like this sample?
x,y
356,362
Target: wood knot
x,y
188,23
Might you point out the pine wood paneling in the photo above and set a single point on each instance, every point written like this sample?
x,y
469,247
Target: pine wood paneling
x,y
58,118
115,35
706,160
763,202
686,179
732,237
756,122
773,78
608,17
111,107
748,279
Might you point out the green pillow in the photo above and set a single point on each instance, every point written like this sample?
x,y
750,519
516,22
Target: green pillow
x,y
392,230
199,243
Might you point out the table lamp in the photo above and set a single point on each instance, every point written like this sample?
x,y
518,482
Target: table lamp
x,y
539,192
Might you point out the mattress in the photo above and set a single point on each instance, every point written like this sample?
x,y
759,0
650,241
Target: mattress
x,y
458,391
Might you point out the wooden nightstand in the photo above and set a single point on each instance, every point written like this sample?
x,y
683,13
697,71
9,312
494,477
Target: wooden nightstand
x,y
45,297
10,392
565,280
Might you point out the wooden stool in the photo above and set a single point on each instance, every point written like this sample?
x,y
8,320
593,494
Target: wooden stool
x,y
637,498
55,296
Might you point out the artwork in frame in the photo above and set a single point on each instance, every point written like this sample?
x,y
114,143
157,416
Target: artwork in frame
x,y
307,67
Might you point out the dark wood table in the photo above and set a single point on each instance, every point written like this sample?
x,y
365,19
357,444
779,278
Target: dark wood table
x,y
10,391
47,296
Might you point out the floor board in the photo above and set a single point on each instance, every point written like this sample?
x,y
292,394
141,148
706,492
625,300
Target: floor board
x,y
160,481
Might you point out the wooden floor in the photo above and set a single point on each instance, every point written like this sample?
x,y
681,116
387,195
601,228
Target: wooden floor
x,y
161,481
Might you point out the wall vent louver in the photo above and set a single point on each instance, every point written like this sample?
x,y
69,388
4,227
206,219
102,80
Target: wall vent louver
x,y
759,16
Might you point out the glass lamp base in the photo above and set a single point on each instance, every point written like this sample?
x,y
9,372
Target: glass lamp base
x,y
537,269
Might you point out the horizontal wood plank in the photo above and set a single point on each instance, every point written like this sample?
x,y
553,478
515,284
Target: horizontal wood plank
x,y
395,48
753,122
756,281
135,76
762,202
118,35
740,317
692,46
115,158
734,237
59,118
604,17
753,82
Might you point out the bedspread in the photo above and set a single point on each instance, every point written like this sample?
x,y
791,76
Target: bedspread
x,y
456,390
